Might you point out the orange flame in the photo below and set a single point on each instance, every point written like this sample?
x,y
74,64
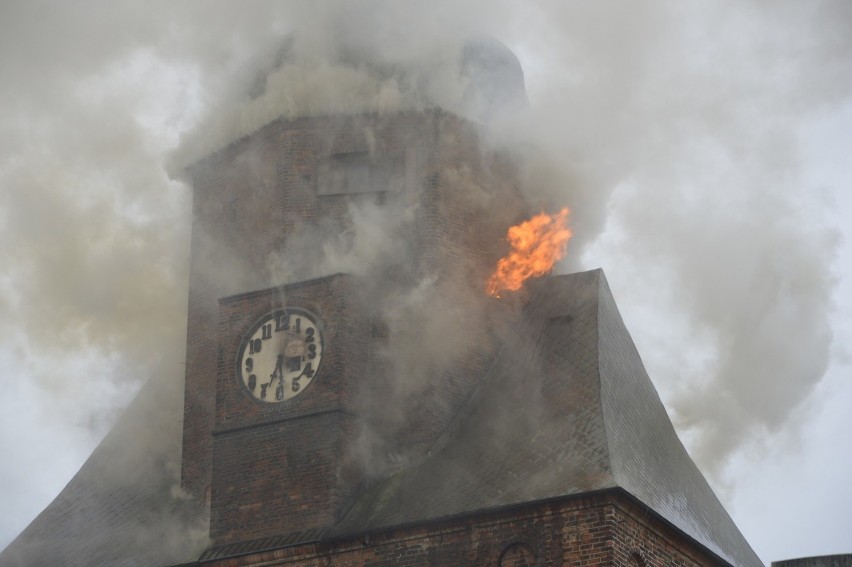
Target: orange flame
x,y
537,244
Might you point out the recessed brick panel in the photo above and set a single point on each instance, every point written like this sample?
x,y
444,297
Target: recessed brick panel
x,y
345,335
280,477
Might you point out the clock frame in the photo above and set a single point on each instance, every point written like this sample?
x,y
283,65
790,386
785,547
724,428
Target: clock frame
x,y
280,355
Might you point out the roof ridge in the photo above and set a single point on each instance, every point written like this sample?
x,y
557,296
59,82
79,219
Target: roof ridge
x,y
600,282
647,457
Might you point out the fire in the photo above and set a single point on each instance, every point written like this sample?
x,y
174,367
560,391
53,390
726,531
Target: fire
x,y
537,244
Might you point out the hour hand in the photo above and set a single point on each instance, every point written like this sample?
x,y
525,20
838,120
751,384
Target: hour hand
x,y
278,372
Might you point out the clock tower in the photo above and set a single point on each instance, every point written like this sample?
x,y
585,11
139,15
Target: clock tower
x,y
353,396
287,370
284,422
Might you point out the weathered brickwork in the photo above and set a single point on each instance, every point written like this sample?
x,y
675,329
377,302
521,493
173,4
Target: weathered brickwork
x,y
280,477
251,197
602,529
282,473
236,205
641,538
279,467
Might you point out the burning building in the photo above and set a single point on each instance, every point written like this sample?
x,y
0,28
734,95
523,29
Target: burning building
x,y
367,385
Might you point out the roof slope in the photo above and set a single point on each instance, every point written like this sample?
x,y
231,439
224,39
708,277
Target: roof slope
x,y
647,458
567,408
121,508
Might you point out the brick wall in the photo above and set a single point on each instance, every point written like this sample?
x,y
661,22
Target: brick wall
x,y
281,467
256,194
279,477
236,207
599,529
640,538
345,333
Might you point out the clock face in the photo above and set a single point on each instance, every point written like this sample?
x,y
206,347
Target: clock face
x,y
280,356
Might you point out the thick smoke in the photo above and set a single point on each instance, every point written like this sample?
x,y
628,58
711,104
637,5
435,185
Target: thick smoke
x,y
654,115
670,131
710,209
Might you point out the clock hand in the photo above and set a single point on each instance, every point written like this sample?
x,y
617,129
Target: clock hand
x,y
277,373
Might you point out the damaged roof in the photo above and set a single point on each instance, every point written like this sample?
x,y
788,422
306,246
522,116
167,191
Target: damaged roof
x,y
576,413
123,508
579,414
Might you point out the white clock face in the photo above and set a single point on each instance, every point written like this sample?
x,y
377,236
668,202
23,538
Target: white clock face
x,y
280,356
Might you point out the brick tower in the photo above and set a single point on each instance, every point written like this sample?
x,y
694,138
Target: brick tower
x,y
250,201
354,397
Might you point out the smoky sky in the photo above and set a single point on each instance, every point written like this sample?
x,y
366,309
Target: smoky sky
x,y
671,130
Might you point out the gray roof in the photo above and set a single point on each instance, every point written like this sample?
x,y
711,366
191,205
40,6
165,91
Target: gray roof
x,y
574,412
123,507
566,408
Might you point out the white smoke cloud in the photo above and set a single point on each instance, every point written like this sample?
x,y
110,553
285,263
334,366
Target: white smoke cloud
x,y
671,130
710,202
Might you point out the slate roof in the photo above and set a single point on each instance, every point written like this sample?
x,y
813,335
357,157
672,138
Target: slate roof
x,y
575,413
121,508
565,409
